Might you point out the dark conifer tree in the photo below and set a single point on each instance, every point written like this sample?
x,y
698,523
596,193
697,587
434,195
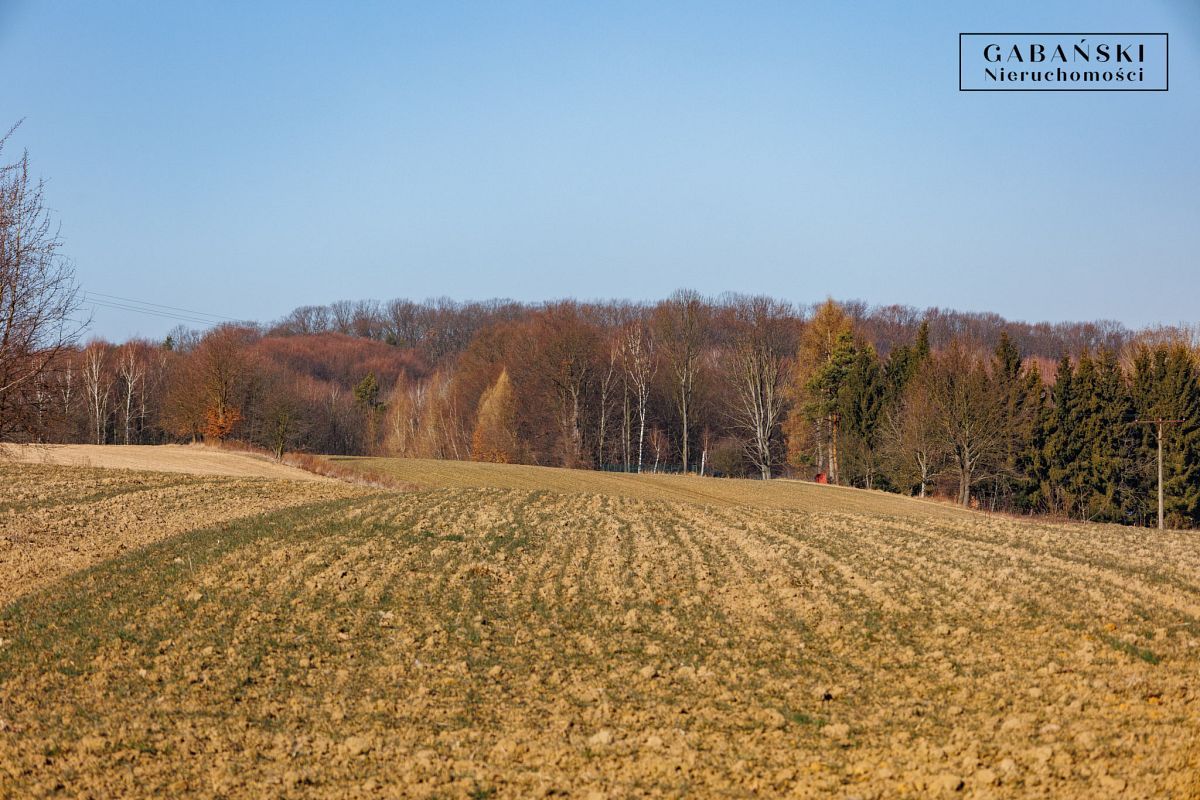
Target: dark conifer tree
x,y
902,365
860,406
1075,479
1060,450
824,394
1009,387
1029,438
1166,385
1106,445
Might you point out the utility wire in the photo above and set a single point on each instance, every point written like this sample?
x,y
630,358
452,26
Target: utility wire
x,y
204,323
151,312
187,311
160,310
130,307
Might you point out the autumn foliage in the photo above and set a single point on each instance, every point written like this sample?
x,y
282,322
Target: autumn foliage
x,y
220,422
995,415
495,436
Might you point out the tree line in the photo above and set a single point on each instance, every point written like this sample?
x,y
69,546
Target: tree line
x,y
1000,415
736,386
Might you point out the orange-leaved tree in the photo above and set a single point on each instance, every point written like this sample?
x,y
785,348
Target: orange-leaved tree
x,y
213,383
495,436
812,426
219,421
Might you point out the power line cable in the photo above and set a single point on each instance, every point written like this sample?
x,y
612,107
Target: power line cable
x,y
195,322
188,311
151,312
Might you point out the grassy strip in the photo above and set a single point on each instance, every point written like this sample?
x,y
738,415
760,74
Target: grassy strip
x,y
61,626
1131,649
360,476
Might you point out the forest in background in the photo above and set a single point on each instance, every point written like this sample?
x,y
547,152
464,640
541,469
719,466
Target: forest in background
x,y
1001,415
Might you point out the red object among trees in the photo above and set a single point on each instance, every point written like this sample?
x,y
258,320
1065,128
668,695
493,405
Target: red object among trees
x,y
822,478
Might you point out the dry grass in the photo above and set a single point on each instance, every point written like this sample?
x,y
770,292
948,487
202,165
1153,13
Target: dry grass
x,y
359,474
194,459
721,492
480,642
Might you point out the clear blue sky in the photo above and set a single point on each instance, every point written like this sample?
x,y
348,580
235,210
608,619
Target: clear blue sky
x,y
243,159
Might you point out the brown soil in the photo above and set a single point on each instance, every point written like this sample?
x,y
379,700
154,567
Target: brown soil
x,y
57,520
505,643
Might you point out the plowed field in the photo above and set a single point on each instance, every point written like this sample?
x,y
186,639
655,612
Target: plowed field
x,y
485,642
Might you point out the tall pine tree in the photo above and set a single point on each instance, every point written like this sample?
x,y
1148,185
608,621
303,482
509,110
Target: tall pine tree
x,y
1106,445
1166,385
861,398
1019,398
1061,450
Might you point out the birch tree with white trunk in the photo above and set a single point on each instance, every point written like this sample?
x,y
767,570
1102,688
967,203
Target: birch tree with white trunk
x,y
97,386
759,364
682,331
637,359
607,386
132,374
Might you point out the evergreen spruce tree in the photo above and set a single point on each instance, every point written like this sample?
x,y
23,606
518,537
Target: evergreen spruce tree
x,y
1142,478
861,398
366,394
824,388
1029,440
902,365
1075,479
1181,440
1166,385
1106,442
1061,449
1040,454
922,345
1010,391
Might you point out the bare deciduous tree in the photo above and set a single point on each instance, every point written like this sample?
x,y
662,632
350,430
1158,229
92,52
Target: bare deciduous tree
x,y
637,359
566,346
912,448
659,444
66,386
970,418
208,391
682,330
758,367
38,302
608,381
422,421
132,373
97,385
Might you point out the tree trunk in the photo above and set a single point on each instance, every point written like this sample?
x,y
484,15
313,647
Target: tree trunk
x,y
626,430
641,433
683,405
129,389
834,468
